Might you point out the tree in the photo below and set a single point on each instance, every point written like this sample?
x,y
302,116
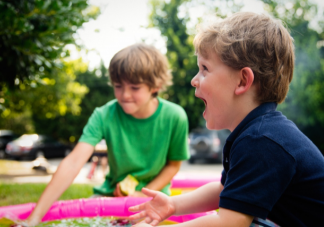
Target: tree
x,y
33,35
37,83
39,106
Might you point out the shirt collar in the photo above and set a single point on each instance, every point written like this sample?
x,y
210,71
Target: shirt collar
x,y
260,110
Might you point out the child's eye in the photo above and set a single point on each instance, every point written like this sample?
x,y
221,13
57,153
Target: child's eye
x,y
205,68
135,88
117,86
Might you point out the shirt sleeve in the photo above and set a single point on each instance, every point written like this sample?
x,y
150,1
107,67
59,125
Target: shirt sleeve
x,y
93,132
259,172
179,149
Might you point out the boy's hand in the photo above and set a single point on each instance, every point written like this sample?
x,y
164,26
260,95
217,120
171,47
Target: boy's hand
x,y
117,192
154,211
30,221
25,223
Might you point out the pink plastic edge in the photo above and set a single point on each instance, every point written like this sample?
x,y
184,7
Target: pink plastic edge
x,y
191,181
87,208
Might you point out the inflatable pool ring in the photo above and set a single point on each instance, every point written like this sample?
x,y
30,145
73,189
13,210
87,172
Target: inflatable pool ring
x,y
81,208
182,183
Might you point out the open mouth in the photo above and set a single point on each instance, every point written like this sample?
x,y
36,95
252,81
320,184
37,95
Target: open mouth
x,y
203,100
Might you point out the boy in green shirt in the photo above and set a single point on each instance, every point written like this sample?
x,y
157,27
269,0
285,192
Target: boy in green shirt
x,y
146,136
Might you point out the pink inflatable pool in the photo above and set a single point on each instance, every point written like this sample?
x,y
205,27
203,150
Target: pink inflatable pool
x,y
87,208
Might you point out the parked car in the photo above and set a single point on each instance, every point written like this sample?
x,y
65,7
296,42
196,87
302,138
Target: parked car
x,y
34,145
207,144
5,137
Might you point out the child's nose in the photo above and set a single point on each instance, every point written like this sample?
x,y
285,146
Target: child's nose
x,y
126,93
194,81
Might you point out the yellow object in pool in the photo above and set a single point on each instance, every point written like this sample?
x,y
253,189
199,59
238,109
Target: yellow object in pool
x,y
128,185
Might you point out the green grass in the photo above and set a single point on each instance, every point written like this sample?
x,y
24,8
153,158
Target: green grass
x,y
13,193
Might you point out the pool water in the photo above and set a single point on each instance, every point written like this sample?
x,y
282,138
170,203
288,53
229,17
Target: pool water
x,y
98,221
78,222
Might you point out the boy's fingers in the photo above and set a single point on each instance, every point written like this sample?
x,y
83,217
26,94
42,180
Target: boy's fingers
x,y
137,207
154,223
148,220
137,216
118,192
149,192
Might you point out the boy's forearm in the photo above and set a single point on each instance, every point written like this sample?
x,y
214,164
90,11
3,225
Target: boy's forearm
x,y
59,183
202,199
165,176
61,180
227,219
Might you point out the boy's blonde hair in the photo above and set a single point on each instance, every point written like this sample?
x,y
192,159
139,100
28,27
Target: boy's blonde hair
x,y
140,63
257,41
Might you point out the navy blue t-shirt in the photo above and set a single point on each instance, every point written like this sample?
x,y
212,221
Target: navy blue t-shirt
x,y
272,170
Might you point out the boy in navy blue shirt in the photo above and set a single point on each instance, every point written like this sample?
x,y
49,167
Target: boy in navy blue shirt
x,y
271,169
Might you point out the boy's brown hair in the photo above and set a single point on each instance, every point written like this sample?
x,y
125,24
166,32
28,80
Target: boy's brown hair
x,y
257,41
140,63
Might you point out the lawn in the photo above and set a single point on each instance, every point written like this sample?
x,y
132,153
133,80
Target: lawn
x,y
13,193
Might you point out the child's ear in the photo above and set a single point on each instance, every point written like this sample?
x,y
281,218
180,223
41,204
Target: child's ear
x,y
155,89
246,80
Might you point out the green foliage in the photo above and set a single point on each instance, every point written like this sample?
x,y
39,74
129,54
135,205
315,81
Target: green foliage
x,y
69,127
37,85
60,107
13,193
42,103
33,35
305,100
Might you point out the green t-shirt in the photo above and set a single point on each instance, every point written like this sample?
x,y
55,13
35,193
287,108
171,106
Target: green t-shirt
x,y
140,147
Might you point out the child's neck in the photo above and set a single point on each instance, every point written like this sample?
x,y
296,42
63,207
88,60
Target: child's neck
x,y
242,109
148,110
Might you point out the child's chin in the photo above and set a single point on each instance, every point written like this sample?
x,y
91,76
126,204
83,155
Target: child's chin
x,y
208,126
211,126
128,110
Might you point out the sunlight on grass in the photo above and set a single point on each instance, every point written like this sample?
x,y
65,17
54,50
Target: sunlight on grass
x,y
13,193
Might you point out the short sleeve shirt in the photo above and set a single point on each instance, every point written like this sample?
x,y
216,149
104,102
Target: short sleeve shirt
x,y
140,147
272,170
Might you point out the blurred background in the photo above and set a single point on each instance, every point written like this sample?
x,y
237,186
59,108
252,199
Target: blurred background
x,y
54,56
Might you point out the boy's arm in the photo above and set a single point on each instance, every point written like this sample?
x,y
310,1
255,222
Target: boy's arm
x,y
165,176
61,180
203,199
224,218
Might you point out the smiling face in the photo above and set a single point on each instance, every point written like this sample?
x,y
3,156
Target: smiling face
x,y
215,84
136,99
